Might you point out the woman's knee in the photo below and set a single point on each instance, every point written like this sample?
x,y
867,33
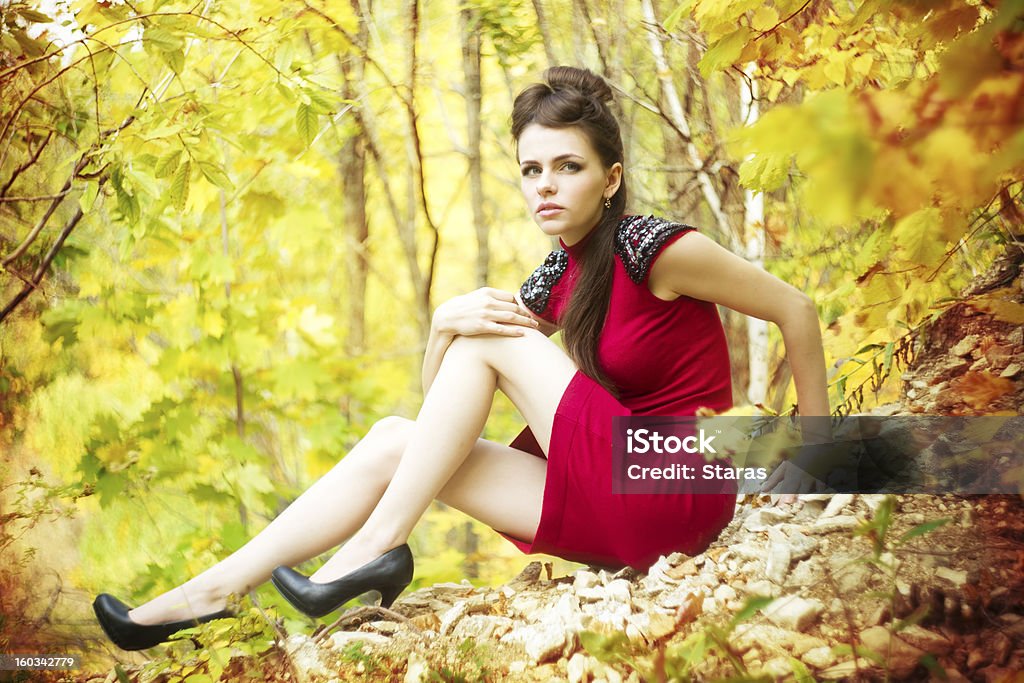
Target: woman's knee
x,y
390,433
384,443
496,346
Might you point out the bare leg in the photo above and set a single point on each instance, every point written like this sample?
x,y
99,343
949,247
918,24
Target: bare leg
x,y
325,514
531,370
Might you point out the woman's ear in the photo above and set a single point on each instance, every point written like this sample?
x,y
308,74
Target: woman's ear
x,y
614,179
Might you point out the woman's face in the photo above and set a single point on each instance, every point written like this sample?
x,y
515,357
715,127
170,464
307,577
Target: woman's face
x,y
564,181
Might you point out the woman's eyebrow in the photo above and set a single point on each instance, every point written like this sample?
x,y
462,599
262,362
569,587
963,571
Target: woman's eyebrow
x,y
560,157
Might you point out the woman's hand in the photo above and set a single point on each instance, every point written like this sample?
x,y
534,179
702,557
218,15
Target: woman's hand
x,y
484,311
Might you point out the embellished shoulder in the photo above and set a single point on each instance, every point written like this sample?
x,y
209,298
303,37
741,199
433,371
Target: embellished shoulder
x,y
537,288
638,239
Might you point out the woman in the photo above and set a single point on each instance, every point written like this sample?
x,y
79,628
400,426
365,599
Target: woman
x,y
635,298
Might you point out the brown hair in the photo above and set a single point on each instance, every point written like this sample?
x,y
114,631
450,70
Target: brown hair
x,y
569,97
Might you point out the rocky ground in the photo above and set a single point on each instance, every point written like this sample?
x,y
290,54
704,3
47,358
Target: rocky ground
x,y
948,600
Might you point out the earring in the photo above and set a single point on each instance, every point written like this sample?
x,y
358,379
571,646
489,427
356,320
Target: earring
x,y
607,202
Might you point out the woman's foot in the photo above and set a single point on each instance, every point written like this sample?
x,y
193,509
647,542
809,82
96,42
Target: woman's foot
x,y
176,605
388,574
353,555
130,635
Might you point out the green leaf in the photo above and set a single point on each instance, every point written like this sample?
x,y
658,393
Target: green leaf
x,y
128,205
725,52
34,16
31,47
178,192
216,175
162,39
922,529
122,677
306,122
167,164
677,14
175,59
800,672
319,101
912,619
750,608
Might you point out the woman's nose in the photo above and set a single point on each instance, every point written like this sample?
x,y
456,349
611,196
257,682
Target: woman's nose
x,y
544,185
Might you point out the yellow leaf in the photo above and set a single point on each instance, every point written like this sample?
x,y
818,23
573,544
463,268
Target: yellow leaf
x,y
213,324
835,69
862,64
765,18
918,237
999,308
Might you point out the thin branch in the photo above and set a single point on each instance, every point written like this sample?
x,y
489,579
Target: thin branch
x,y
766,32
41,198
55,202
44,265
35,157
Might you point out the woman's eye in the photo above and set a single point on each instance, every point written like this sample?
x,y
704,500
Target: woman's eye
x,y
571,166
531,171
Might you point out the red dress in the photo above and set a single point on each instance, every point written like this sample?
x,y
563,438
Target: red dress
x,y
665,358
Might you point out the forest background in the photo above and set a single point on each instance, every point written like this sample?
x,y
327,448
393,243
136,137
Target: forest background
x,y
224,226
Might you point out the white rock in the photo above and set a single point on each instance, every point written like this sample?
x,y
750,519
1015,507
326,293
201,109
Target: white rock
x,y
845,671
755,521
793,612
483,627
618,590
965,345
872,501
804,574
957,578
901,658
777,668
416,670
831,524
584,579
577,668
836,505
448,619
761,587
803,643
761,636
819,657
801,546
725,592
540,641
779,556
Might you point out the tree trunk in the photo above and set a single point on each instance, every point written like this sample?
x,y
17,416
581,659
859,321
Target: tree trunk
x,y
351,173
545,32
469,22
753,235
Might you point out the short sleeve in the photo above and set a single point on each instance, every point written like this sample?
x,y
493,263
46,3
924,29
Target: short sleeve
x,y
536,291
639,239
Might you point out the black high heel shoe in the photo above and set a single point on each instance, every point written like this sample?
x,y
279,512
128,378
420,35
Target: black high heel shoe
x,y
389,574
128,635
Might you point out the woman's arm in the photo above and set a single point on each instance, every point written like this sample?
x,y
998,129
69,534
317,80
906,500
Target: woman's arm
x,y
696,266
484,311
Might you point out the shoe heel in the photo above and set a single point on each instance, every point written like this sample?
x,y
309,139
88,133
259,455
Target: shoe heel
x,y
389,594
